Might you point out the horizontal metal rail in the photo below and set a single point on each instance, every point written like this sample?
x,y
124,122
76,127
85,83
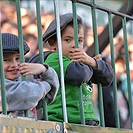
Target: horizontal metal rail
x,y
85,2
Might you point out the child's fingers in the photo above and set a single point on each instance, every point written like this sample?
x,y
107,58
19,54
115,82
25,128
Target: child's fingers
x,y
98,57
24,69
31,68
24,64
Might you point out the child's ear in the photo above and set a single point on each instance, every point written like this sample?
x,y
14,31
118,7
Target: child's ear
x,y
51,42
52,45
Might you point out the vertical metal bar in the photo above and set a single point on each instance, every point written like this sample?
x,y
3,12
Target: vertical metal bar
x,y
2,79
127,69
100,96
40,44
75,23
76,45
93,12
132,27
56,7
113,66
28,4
20,35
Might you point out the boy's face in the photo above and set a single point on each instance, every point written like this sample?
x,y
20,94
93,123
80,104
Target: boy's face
x,y
68,42
11,65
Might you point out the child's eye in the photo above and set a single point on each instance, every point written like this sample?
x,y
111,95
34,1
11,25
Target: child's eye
x,y
68,40
80,41
17,58
6,60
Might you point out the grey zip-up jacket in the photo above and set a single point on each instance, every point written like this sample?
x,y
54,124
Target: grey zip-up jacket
x,y
24,95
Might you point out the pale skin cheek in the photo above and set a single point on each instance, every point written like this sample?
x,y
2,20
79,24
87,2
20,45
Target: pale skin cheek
x,y
7,75
67,54
5,67
64,52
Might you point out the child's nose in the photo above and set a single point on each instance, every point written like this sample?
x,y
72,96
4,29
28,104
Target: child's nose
x,y
73,44
76,44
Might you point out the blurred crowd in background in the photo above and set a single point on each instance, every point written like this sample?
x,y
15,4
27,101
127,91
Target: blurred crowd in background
x,y
8,21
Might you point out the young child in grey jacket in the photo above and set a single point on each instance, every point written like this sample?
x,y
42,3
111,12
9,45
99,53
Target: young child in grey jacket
x,y
25,95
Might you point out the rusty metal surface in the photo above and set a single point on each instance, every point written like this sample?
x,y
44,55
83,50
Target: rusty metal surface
x,y
27,125
75,128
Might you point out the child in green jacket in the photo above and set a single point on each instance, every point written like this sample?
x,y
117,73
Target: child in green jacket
x,y
79,70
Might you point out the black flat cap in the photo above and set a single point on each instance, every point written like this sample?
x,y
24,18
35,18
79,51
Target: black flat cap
x,y
10,43
64,20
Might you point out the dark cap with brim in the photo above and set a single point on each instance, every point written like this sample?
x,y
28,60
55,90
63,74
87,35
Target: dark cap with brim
x,y
10,43
64,20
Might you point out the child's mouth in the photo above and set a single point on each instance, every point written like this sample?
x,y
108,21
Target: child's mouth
x,y
13,71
